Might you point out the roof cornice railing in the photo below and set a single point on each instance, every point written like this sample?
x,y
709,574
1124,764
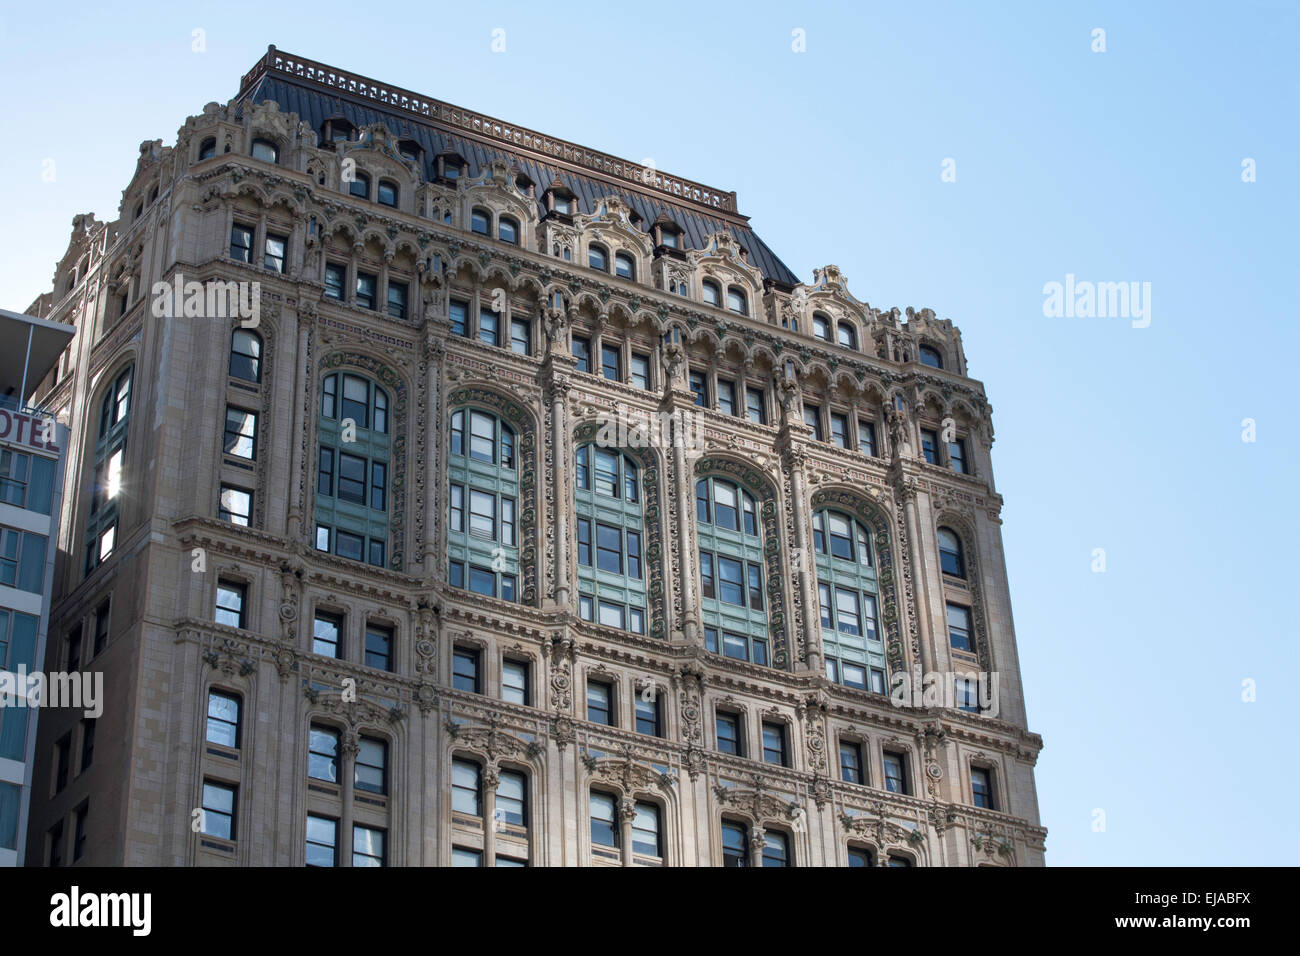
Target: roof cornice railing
x,y
488,128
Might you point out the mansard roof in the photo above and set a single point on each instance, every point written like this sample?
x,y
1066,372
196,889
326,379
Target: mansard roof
x,y
317,92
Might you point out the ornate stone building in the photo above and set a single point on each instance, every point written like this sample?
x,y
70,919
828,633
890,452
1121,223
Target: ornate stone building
x,y
442,492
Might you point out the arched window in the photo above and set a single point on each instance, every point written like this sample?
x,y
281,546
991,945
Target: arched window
x,y
712,292
951,558
611,538
931,357
647,829
624,267
483,505
822,326
352,478
480,221
848,336
597,257
387,193
735,844
508,230
207,148
737,301
512,799
246,356
848,596
732,568
776,848
266,151
110,455
360,185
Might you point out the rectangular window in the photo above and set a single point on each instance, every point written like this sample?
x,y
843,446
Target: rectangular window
x,y
514,682
397,299
959,627
711,639
352,479
241,433
645,830
456,506
607,472
812,417
101,622
508,521
482,514
850,762
755,574
336,280
581,353
774,744
728,733
325,473
731,582
241,243
636,620
866,437
895,772
482,581
855,675
79,832
62,762
957,455
74,651
488,327
639,370
600,699
633,555
521,337
604,822
348,545
706,575
609,550
458,312
464,669
586,608
611,614
735,646
463,856
839,429
368,845
322,841
647,714
223,719
512,799
611,363
367,284
700,386
273,258
379,647
847,615
877,681
981,784
756,404
236,504
219,809
323,753
584,542
369,771
327,633
726,397
230,604
930,446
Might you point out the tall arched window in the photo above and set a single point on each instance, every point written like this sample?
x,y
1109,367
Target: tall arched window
x,y
848,596
732,593
822,326
246,355
352,474
951,558
712,292
737,301
848,336
597,257
483,505
110,454
610,538
624,266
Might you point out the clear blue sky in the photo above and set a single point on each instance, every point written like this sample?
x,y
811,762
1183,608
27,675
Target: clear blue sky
x,y
1115,166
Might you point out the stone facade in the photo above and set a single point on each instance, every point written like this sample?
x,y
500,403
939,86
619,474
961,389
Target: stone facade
x,y
158,584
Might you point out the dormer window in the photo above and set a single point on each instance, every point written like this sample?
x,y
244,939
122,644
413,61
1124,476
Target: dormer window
x,y
560,199
208,148
337,130
848,336
266,151
598,258
387,193
410,150
672,240
624,267
360,186
737,301
931,357
712,292
822,326
450,166
564,204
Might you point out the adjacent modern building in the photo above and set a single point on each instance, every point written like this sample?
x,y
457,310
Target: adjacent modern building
x,y
31,489
446,493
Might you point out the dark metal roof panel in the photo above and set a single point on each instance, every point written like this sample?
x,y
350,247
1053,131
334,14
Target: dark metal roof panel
x,y
314,106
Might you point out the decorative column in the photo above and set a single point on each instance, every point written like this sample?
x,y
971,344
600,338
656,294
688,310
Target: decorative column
x,y
791,444
626,815
349,746
491,778
757,841
679,401
554,377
